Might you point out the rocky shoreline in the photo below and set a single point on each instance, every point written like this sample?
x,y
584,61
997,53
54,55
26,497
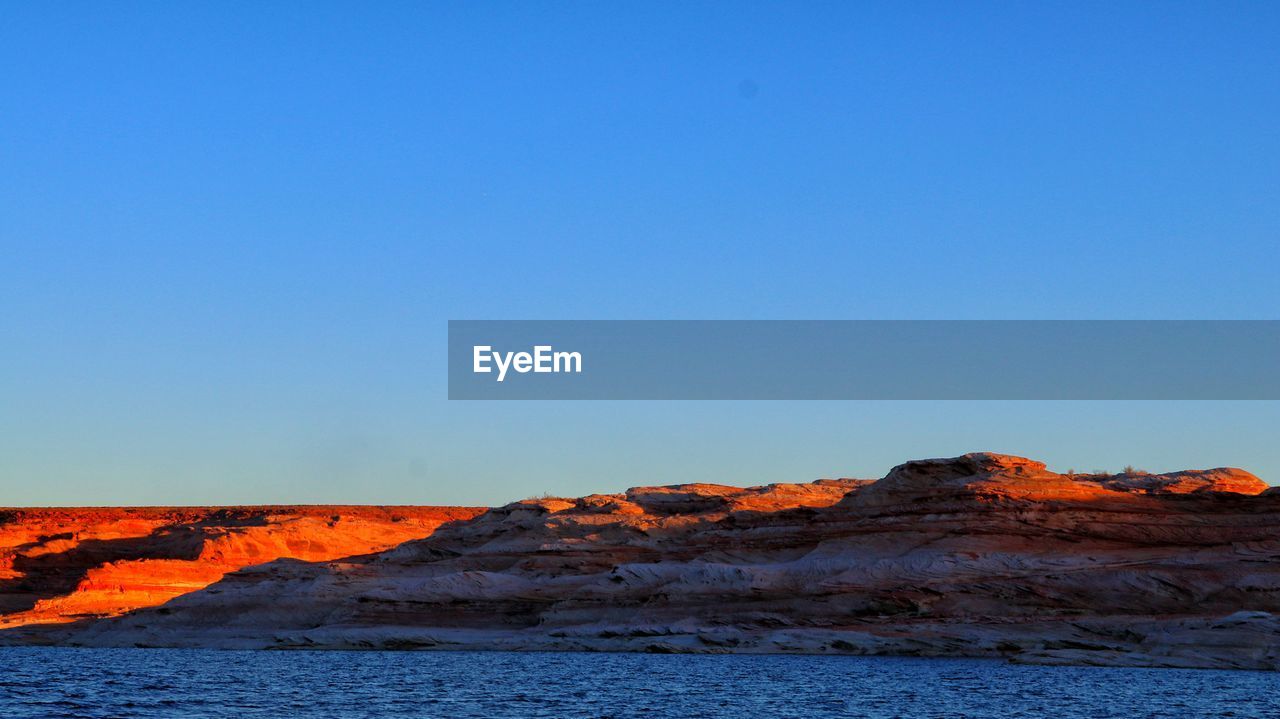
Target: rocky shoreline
x,y
983,555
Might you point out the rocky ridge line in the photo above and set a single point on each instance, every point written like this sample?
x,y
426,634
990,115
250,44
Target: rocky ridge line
x,y
980,555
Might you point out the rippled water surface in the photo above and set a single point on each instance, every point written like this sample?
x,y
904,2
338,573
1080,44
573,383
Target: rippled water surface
x,y
40,682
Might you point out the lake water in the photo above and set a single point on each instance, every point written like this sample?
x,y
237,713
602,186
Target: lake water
x,y
43,682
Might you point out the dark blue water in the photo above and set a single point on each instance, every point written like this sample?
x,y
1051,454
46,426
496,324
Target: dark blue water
x,y
37,682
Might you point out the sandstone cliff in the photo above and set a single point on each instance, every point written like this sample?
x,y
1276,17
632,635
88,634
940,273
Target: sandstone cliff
x,y
980,555
61,565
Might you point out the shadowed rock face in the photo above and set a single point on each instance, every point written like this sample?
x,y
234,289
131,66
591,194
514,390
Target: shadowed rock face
x,y
980,555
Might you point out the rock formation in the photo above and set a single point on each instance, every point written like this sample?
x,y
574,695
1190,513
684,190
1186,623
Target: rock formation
x,y
61,565
980,555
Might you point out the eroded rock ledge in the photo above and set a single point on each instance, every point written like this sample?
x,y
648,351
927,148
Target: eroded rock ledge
x,y
979,555
69,564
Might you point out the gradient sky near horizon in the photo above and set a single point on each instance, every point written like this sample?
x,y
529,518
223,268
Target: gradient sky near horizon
x,y
231,234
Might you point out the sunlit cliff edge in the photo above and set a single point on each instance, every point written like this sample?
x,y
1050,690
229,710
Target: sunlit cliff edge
x,y
981,555
68,564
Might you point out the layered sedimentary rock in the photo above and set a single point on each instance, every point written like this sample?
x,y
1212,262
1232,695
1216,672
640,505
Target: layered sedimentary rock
x,y
980,555
62,565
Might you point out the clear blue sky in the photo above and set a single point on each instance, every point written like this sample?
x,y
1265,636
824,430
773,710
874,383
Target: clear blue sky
x,y
231,234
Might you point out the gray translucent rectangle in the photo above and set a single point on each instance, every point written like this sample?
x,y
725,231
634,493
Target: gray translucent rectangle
x,y
870,359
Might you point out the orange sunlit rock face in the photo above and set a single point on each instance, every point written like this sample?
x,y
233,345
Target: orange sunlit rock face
x,y
64,564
